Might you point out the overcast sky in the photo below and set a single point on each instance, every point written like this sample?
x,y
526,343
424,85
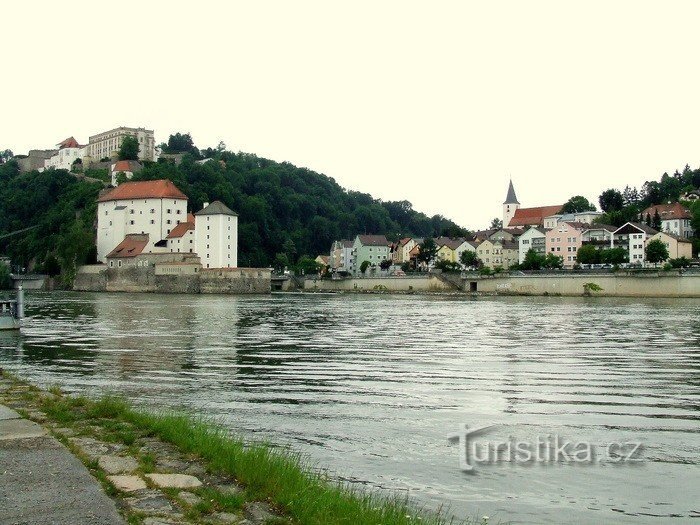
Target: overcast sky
x,y
437,103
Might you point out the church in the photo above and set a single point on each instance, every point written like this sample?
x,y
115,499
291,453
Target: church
x,y
516,217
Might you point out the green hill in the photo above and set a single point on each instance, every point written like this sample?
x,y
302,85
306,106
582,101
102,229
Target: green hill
x,y
276,203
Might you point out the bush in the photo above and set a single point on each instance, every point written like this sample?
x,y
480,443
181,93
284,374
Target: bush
x,y
5,281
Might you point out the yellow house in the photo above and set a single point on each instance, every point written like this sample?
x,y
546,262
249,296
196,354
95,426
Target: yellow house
x,y
677,246
498,253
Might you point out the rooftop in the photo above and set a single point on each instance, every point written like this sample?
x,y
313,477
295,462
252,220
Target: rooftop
x,y
147,189
132,245
533,216
670,211
216,208
373,240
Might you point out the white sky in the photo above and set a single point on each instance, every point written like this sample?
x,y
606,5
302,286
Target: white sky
x,y
433,102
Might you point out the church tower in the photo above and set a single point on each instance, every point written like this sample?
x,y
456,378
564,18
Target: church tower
x,y
510,205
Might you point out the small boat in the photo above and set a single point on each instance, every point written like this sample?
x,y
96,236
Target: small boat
x,y
12,312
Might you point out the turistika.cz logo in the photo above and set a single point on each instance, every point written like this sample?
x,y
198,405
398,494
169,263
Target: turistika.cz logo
x,y
543,450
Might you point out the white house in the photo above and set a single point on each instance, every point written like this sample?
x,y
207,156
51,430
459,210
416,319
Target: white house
x,y
181,238
127,167
151,208
534,238
68,152
341,255
675,218
633,236
465,246
216,235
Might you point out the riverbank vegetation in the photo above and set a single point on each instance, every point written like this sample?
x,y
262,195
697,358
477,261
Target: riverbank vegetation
x,y
296,488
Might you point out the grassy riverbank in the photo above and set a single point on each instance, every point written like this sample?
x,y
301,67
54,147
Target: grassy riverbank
x,y
295,488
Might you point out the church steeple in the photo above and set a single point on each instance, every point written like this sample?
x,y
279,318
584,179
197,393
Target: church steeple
x,y
511,198
510,205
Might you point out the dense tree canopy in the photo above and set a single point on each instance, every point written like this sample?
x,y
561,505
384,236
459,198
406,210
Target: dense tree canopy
x,y
282,209
577,204
129,149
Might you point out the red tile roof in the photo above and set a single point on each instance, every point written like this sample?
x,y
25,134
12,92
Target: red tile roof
x,y
533,216
147,189
126,165
668,211
180,230
132,245
70,142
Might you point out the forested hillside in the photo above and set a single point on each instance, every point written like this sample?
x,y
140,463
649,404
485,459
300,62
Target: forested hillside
x,y
276,203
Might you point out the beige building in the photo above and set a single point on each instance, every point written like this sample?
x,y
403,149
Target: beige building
x,y
498,253
677,246
106,144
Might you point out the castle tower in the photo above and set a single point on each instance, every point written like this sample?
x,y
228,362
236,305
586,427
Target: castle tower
x,y
510,205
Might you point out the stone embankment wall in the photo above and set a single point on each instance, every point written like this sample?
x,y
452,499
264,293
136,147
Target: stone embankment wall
x,y
423,283
99,278
652,284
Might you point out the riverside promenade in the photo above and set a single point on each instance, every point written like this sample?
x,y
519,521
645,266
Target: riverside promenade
x,y
42,482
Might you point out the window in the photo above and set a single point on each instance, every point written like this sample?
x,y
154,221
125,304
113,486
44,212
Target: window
x,y
168,221
207,227
131,222
152,221
168,210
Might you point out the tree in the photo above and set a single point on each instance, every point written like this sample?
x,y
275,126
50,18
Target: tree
x,y
181,143
496,224
428,251
656,251
364,266
307,266
51,265
5,281
656,224
577,204
281,262
447,266
611,200
588,254
385,264
552,261
532,260
290,250
5,156
613,256
129,149
469,259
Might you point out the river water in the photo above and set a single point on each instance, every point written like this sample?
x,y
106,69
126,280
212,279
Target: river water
x,y
370,387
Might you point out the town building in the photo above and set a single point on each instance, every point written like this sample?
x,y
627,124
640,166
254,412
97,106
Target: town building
x,y
586,217
633,236
151,208
533,239
600,236
125,167
494,254
107,144
181,237
510,205
675,218
371,248
216,235
677,246
516,217
565,240
68,152
341,255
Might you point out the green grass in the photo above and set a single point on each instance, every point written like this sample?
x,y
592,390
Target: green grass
x,y
283,477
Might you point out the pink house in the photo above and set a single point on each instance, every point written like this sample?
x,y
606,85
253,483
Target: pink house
x,y
564,240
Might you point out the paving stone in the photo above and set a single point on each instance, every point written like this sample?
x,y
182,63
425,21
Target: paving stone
x,y
153,501
117,464
189,497
227,517
68,432
93,448
160,521
37,416
174,481
127,483
8,413
231,489
258,512
11,429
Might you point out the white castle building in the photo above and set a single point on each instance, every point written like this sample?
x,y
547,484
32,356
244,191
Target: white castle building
x,y
156,212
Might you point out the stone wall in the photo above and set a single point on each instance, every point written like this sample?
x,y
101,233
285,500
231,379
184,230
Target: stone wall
x,y
423,283
651,284
235,280
99,278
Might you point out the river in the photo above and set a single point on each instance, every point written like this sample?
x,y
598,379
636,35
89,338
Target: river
x,y
370,387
